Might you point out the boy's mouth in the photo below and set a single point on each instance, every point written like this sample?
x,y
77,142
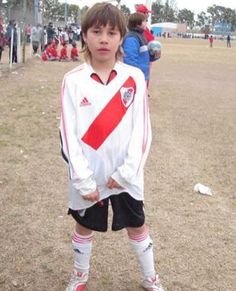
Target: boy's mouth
x,y
103,49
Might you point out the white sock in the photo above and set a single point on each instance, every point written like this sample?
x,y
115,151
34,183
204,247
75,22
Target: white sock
x,y
143,248
82,246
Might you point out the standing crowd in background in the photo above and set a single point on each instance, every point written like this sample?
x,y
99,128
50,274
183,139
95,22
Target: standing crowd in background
x,y
48,42
56,44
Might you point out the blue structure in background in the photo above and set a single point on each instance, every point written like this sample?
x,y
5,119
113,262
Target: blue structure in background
x,y
222,28
157,31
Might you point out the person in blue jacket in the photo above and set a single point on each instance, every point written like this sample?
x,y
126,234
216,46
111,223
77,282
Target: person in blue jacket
x,y
135,45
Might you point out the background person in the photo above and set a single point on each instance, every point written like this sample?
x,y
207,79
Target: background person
x,y
144,10
50,32
74,54
211,39
228,41
1,39
63,53
37,38
135,45
28,32
12,27
147,32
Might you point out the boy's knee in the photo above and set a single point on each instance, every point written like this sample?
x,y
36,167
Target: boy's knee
x,y
82,230
136,230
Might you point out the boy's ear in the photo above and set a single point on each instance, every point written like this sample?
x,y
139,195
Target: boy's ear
x,y
84,37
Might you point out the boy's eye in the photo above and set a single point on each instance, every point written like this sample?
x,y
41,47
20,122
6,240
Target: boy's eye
x,y
113,32
96,30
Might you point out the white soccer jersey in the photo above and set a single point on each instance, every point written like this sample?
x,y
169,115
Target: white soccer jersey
x,y
105,132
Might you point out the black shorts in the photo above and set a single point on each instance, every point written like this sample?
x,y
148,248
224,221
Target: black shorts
x,y
127,212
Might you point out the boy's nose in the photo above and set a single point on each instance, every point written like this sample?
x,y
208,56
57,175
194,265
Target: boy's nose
x,y
103,37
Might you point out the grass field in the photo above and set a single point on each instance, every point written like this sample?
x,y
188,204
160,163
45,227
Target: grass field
x,y
193,112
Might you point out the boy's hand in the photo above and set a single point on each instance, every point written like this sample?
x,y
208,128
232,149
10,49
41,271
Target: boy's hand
x,y
112,184
93,196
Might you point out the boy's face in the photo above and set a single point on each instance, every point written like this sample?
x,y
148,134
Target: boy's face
x,y
103,43
147,15
144,24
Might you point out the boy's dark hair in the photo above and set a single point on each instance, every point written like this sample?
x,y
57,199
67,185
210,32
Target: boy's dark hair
x,y
135,19
102,14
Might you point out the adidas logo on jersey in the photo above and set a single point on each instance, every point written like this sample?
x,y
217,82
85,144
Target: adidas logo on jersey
x,y
85,102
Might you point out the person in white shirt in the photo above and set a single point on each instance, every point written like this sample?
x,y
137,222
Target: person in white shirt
x,y
64,37
105,138
36,36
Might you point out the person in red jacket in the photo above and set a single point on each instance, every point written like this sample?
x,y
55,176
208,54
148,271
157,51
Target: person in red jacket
x,y
53,52
50,52
211,41
143,9
147,33
63,53
74,54
44,56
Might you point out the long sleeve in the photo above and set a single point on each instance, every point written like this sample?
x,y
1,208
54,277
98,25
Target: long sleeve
x,y
79,172
136,53
131,51
140,139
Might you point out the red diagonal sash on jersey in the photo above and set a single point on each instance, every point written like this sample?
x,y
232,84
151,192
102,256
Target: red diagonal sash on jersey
x,y
111,115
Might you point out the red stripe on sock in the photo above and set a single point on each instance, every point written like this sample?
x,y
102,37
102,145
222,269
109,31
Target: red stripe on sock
x,y
140,237
82,239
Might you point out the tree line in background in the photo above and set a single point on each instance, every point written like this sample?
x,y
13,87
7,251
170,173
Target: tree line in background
x,y
162,11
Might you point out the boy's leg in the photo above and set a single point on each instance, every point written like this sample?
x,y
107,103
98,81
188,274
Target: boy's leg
x,y
142,245
93,218
14,58
82,247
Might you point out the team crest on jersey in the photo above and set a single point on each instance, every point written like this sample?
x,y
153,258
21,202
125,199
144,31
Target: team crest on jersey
x,y
127,95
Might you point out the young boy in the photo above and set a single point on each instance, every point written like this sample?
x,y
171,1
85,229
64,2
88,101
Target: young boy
x,y
74,54
144,10
63,53
135,45
50,52
211,41
105,137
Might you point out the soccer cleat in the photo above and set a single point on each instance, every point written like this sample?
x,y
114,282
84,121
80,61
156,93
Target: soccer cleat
x,y
152,284
78,281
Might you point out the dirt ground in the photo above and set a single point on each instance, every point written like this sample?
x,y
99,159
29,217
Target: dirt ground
x,y
193,112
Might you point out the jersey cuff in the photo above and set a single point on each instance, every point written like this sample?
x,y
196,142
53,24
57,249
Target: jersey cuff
x,y
86,186
119,179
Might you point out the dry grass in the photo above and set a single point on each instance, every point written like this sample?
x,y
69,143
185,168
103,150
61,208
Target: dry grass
x,y
193,110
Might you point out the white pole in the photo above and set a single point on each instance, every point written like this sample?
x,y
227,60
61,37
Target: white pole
x,y
18,45
149,6
11,47
36,12
30,45
66,12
